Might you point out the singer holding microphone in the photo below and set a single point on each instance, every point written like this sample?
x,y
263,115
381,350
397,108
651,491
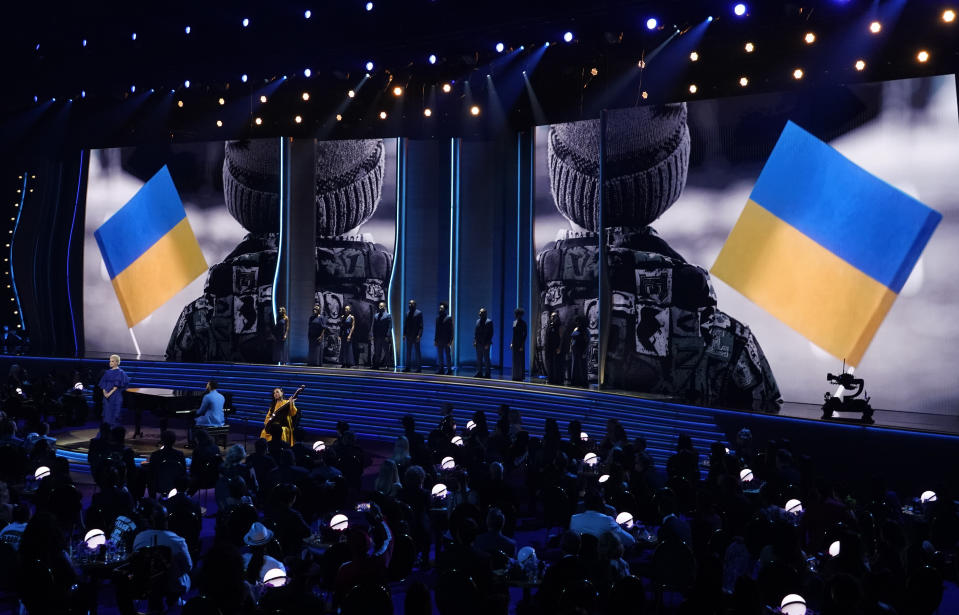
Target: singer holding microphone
x,y
281,414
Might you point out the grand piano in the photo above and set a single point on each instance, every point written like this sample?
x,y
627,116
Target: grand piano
x,y
168,404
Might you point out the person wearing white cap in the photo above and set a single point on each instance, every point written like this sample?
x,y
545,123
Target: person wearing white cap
x,y
257,562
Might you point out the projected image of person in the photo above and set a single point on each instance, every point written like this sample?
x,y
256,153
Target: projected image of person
x,y
232,320
667,335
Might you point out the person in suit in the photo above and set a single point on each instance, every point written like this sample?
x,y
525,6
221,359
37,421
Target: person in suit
x,y
518,344
443,340
482,340
412,332
381,334
317,335
554,350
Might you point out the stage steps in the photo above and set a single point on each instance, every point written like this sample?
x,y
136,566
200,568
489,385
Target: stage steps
x,y
373,402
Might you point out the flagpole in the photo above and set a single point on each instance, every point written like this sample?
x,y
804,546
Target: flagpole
x,y
135,344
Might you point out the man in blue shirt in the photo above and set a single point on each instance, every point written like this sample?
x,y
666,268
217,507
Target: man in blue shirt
x,y
210,413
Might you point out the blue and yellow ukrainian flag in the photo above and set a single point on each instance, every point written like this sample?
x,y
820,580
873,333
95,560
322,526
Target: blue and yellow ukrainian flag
x,y
149,249
823,245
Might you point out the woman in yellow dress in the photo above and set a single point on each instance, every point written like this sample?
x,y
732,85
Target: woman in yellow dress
x,y
281,413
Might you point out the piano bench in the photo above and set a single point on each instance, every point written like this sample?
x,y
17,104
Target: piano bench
x,y
220,435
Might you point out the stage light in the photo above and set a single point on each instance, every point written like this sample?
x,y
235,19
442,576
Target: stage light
x,y
603,478
793,604
171,494
875,27
743,81
369,66
133,88
222,101
339,522
307,72
307,14
258,121
583,436
133,36
306,96
298,119
448,463
500,47
432,58
948,16
94,539
641,64
78,386
262,98
928,496
186,84
594,71
739,10
351,94
797,74
860,65
749,47
83,93
428,113
439,491
219,123
339,118
794,506
84,43
397,91
382,115
645,94
692,88
245,22
319,446
746,475
179,104
922,56
834,549
474,110
43,471
591,459
810,38
568,37
244,78
274,577
625,519
694,56
651,23
369,6
470,425
447,88
187,30
456,441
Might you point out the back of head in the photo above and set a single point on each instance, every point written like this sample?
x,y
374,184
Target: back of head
x,y
168,438
496,471
594,501
409,423
118,434
414,477
570,542
21,513
495,520
287,458
260,446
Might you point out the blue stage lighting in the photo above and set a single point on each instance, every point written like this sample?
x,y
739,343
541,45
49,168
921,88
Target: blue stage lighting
x,y
83,93
35,99
53,100
133,89
432,58
134,36
568,37
245,22
369,66
307,72
186,83
740,9
651,23
243,78
307,14
369,6
84,42
187,30
709,19
500,47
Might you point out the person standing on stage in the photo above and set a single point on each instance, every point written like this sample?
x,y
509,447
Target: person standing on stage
x,y
112,383
317,335
412,332
578,345
443,340
518,345
382,332
482,340
281,413
555,367
281,352
346,337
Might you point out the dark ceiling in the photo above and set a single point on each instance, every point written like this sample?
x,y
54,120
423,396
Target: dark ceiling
x,y
119,89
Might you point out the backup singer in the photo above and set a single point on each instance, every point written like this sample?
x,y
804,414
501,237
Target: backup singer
x,y
281,413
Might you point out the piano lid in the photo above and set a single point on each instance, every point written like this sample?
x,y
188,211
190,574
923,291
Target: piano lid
x,y
153,392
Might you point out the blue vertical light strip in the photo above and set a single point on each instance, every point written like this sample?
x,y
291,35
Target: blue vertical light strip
x,y
519,213
454,244
279,245
399,233
16,225
530,258
76,206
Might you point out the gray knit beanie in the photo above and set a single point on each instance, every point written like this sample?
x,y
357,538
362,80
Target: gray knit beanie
x,y
647,155
348,177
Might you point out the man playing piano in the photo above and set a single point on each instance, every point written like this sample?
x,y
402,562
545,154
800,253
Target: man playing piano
x,y
281,413
210,413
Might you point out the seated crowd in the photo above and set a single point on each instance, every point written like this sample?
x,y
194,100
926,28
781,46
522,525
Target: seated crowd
x,y
486,519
